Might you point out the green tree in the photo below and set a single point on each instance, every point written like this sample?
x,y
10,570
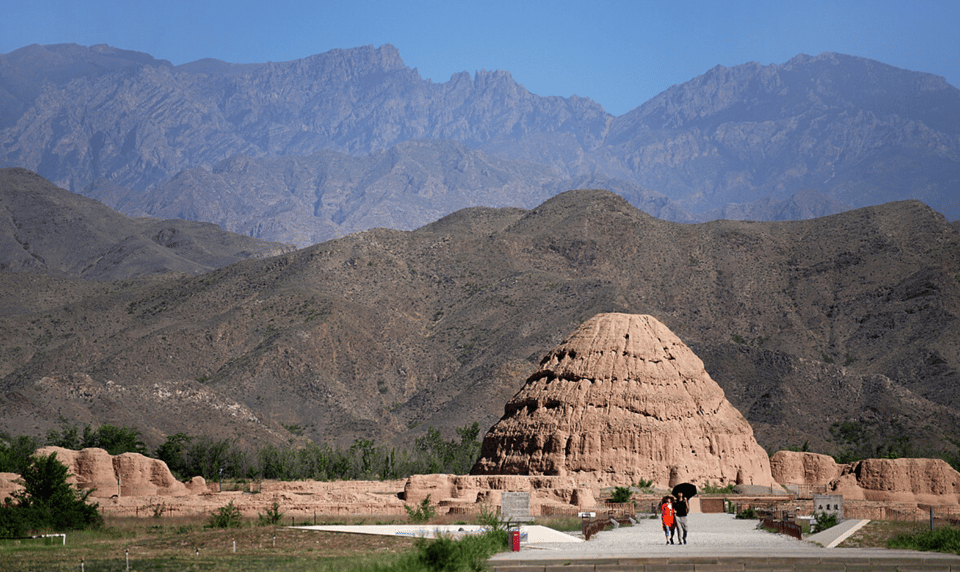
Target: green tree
x,y
953,457
15,453
469,449
825,520
206,457
173,452
47,501
433,450
439,456
114,440
68,437
364,455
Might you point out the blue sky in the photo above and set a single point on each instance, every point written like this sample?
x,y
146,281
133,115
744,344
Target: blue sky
x,y
618,53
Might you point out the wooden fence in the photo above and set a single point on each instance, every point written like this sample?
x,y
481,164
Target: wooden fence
x,y
592,526
783,527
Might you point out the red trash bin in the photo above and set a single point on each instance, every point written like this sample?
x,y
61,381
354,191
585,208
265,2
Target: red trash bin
x,y
515,540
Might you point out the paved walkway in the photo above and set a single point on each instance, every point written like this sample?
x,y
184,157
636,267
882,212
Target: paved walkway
x,y
716,542
529,534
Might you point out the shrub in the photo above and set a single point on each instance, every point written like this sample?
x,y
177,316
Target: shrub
x,y
825,520
944,539
712,489
621,494
645,485
749,513
424,512
272,517
468,553
445,554
226,517
159,509
488,517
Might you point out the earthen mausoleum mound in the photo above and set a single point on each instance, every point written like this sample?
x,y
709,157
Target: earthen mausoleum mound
x,y
625,399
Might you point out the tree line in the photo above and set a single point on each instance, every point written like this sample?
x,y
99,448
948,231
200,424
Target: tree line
x,y
188,455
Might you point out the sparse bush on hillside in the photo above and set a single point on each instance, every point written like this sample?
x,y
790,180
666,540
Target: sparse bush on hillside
x,y
801,449
645,485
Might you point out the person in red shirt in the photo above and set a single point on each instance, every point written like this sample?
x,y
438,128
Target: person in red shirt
x,y
666,518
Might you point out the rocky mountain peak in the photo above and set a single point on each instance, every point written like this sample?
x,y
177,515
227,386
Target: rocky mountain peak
x,y
364,59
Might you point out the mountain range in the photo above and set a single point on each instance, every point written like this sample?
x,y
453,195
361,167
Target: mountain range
x,y
334,248
304,151
383,333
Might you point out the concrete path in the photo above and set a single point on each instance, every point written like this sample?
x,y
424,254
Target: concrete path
x,y
834,535
715,542
532,534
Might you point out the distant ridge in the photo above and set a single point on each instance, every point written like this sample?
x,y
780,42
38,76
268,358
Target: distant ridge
x,y
843,131
47,229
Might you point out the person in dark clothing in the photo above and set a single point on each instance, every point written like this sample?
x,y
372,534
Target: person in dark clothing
x,y
681,509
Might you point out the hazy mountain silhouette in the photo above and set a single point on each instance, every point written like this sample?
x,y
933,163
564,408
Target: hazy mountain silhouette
x,y
150,138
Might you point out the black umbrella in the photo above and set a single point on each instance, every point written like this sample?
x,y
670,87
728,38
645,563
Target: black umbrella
x,y
688,489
